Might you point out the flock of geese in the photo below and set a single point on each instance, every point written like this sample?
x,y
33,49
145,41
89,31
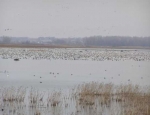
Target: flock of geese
x,y
74,54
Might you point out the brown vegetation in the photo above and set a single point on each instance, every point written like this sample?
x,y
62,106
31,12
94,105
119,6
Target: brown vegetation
x,y
87,98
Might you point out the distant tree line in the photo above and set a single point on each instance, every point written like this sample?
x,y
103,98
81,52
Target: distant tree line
x,y
5,39
116,41
113,41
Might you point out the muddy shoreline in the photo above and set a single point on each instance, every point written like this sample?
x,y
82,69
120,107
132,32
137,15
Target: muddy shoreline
x,y
67,46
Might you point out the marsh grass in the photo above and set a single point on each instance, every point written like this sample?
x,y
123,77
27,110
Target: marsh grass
x,y
88,93
53,99
35,98
133,99
86,99
13,94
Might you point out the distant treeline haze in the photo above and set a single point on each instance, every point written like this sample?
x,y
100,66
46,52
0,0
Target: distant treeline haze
x,y
113,41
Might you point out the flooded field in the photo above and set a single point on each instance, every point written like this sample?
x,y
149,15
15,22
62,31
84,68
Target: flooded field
x,y
42,81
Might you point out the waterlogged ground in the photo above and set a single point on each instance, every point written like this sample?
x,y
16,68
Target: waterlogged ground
x,y
61,70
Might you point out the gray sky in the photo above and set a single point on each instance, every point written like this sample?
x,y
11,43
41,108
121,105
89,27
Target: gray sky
x,y
74,18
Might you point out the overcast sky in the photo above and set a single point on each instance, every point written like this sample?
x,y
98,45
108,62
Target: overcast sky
x,y
74,18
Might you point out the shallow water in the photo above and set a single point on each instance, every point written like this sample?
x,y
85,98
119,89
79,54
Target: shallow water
x,y
61,74
67,73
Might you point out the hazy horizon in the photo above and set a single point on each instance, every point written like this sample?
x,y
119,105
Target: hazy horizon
x,y
72,19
